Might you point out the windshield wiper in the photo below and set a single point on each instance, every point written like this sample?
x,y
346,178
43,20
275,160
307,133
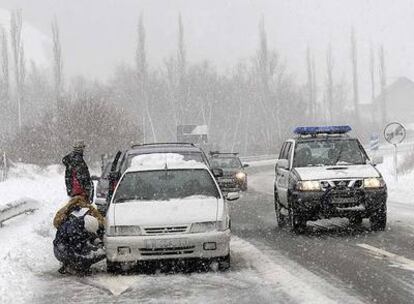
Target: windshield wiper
x,y
339,155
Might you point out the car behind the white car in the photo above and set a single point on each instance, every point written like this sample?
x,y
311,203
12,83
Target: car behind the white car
x,y
167,208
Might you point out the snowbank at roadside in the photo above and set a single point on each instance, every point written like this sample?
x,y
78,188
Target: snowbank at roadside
x,y
26,241
34,182
401,191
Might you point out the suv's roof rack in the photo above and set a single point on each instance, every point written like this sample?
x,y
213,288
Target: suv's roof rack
x,y
218,153
164,144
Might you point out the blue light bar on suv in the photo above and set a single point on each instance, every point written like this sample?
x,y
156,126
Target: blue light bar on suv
x,y
322,130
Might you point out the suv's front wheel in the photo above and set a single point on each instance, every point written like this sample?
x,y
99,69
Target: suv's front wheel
x,y
297,221
281,219
379,219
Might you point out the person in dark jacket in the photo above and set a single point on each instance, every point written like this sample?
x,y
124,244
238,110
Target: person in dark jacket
x,y
77,178
77,245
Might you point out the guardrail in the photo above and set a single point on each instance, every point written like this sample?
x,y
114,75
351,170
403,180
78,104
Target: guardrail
x,y
16,208
258,157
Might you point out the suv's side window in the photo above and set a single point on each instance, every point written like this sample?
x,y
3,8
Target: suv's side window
x,y
286,151
282,151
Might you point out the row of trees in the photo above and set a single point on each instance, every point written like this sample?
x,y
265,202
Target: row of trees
x,y
250,109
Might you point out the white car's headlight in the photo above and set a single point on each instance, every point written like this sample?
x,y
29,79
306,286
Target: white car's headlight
x,y
241,175
124,231
374,182
308,186
208,226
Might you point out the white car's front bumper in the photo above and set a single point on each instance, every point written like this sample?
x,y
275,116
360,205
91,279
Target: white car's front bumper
x,y
157,247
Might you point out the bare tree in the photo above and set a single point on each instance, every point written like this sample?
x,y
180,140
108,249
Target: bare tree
x,y
372,77
263,69
354,60
182,67
142,77
18,58
383,81
329,82
57,63
5,67
315,89
310,83
171,74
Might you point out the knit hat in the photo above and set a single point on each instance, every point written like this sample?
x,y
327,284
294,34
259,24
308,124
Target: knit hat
x,y
79,145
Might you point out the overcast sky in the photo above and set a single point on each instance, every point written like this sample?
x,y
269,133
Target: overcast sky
x,y
97,35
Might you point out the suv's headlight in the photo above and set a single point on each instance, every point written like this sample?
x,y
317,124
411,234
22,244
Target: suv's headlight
x,y
374,182
208,226
124,231
240,175
308,186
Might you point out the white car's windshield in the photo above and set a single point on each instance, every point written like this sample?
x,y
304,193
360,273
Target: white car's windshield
x,y
328,153
165,185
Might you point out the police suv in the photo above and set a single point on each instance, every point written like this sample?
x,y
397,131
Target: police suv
x,y
323,172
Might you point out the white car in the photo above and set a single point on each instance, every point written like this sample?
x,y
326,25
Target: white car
x,y
167,208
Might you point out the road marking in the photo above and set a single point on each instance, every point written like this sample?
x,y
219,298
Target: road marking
x,y
395,259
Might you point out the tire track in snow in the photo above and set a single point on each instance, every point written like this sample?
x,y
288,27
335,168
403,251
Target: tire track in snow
x,y
298,283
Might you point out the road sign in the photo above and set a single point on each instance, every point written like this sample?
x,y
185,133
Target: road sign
x,y
197,134
395,133
374,142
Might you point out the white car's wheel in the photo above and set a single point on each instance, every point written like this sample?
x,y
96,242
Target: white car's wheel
x,y
113,267
224,263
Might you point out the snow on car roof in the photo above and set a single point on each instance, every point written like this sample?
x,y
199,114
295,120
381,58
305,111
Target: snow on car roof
x,y
158,161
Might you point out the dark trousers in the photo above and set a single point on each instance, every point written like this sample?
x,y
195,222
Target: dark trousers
x,y
78,262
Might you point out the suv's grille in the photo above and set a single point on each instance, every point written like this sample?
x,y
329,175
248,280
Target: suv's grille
x,y
166,251
341,184
165,230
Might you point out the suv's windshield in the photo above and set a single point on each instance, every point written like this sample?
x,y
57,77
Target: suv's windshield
x,y
328,152
165,185
225,162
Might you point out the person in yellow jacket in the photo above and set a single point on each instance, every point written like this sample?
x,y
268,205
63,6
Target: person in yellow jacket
x,y
76,203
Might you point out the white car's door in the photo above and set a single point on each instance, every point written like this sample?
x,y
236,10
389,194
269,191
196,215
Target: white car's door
x,y
282,174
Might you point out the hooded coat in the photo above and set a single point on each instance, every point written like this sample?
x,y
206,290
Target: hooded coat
x,y
77,178
77,202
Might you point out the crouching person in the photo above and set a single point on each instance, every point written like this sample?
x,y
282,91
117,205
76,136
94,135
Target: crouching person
x,y
77,244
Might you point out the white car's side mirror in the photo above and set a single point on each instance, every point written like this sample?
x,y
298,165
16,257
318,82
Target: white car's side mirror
x,y
376,160
283,163
232,196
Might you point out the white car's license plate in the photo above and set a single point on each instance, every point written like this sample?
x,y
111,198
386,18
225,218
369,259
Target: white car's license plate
x,y
344,200
166,243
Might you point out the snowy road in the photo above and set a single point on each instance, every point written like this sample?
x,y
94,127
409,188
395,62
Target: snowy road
x,y
328,264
